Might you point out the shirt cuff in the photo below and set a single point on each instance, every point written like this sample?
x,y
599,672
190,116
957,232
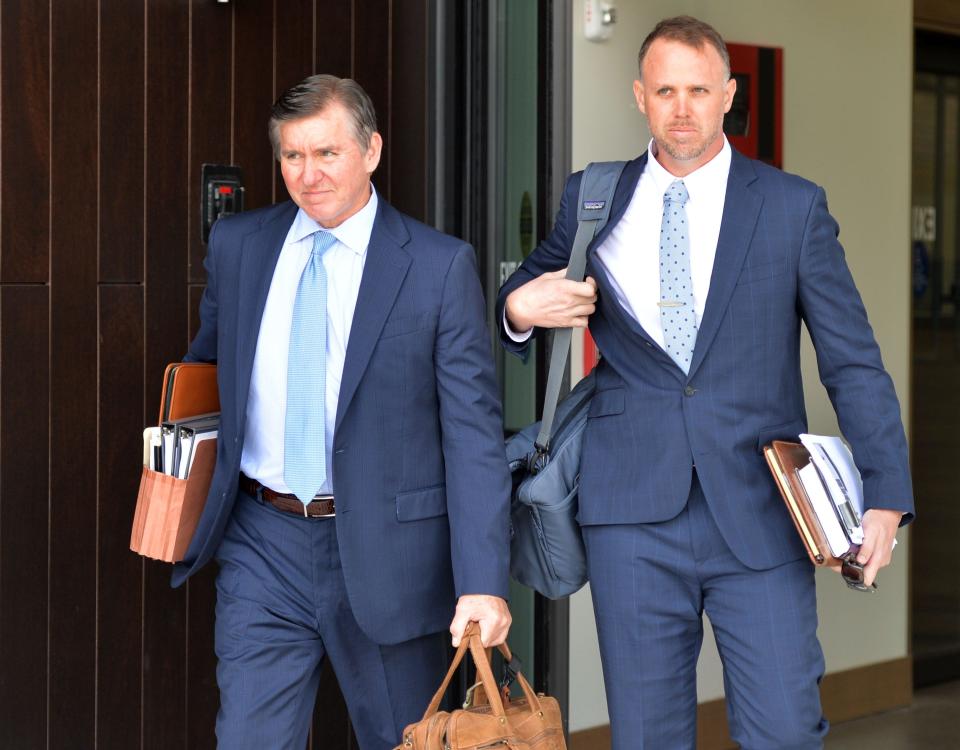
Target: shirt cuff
x,y
519,338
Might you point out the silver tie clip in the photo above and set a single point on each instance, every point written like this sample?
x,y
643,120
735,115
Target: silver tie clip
x,y
671,303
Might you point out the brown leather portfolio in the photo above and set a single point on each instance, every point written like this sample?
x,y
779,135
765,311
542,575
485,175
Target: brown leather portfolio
x,y
189,389
785,459
168,508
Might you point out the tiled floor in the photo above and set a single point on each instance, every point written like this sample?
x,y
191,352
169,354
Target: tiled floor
x,y
931,723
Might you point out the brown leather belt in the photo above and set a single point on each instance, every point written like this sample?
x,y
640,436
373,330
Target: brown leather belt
x,y
320,507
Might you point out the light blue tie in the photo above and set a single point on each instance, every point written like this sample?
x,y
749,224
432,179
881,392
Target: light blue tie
x,y
677,315
304,435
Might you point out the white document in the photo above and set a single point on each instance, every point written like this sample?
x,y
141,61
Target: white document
x,y
151,439
823,507
843,482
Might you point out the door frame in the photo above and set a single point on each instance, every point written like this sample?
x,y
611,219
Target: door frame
x,y
936,53
468,141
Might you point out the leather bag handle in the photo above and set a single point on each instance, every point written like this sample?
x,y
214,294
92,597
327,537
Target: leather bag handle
x,y
471,641
482,661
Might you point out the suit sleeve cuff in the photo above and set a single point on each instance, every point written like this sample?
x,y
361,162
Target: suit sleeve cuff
x,y
520,338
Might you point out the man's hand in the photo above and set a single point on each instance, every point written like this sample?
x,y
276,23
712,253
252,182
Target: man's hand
x,y
879,530
490,611
551,301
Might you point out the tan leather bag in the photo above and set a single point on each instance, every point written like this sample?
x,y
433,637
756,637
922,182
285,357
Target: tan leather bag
x,y
529,723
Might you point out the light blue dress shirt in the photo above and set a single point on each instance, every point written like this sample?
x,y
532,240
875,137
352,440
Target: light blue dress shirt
x,y
262,457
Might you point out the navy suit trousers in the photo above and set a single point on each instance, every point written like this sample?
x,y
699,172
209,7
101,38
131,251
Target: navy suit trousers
x,y
282,609
651,584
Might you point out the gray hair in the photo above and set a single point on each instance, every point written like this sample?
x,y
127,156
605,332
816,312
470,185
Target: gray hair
x,y
686,30
313,95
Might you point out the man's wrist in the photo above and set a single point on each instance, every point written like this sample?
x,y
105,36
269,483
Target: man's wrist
x,y
891,511
515,318
480,596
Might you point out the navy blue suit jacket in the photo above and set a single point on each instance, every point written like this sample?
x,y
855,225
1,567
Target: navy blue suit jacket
x,y
421,481
778,263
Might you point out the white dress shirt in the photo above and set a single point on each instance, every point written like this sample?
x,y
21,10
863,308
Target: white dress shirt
x,y
630,254
262,457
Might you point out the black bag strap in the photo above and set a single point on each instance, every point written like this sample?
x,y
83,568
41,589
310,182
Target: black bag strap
x,y
593,209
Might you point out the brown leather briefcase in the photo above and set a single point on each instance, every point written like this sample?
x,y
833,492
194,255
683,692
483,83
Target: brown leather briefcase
x,y
493,721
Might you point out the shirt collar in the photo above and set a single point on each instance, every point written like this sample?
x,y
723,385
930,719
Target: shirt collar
x,y
353,233
703,180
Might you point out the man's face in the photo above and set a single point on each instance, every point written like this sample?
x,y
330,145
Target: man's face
x,y
324,168
684,94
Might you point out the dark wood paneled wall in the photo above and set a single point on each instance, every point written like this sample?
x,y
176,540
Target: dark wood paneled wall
x,y
107,110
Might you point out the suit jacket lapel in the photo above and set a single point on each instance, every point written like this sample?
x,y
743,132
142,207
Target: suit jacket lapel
x,y
384,270
606,289
258,259
741,209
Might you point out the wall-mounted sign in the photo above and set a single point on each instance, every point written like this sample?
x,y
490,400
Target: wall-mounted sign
x,y
925,223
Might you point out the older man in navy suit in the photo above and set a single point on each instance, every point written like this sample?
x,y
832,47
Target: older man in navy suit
x,y
359,504
696,291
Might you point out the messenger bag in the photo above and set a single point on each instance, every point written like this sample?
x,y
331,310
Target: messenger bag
x,y
546,546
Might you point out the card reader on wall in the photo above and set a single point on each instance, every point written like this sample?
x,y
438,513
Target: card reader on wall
x,y
221,191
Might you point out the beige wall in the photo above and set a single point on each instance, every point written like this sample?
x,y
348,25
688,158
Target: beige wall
x,y
847,114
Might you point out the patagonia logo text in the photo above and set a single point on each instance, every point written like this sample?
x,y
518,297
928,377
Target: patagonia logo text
x,y
593,205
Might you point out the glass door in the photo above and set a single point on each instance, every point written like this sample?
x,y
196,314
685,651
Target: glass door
x,y
935,621
501,154
512,200
515,196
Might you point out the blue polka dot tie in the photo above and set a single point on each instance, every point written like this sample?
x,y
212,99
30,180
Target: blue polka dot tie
x,y
304,434
677,314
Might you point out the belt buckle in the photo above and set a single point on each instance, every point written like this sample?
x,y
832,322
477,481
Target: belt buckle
x,y
321,497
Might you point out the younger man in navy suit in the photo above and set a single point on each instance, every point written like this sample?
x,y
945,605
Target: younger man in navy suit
x,y
696,291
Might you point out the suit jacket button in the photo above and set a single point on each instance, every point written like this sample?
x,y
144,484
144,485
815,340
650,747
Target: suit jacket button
x,y
689,390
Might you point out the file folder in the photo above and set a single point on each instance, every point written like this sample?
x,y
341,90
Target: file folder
x,y
169,507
